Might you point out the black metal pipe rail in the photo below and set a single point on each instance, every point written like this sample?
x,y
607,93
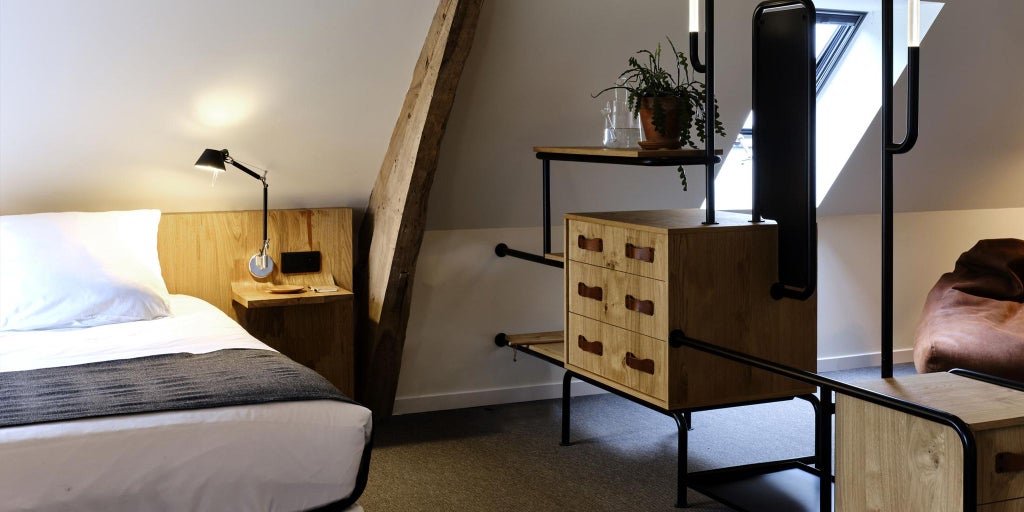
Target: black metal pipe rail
x,y
991,379
501,340
503,250
970,450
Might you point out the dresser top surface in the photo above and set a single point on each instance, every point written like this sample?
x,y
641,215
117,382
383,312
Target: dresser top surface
x,y
667,221
982,405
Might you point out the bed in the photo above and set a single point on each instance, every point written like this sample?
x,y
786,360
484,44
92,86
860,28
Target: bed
x,y
303,454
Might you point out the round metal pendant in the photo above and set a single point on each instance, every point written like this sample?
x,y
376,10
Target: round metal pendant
x,y
260,271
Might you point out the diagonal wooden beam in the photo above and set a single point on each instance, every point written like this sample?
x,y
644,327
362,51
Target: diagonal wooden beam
x,y
392,229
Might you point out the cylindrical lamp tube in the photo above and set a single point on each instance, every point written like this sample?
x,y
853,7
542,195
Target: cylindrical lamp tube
x,y
694,16
913,23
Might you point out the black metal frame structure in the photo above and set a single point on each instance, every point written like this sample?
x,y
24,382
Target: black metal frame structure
x,y
827,388
749,487
503,250
682,418
784,100
708,68
890,148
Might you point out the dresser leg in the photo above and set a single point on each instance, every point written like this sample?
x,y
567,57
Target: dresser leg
x,y
566,381
682,425
823,446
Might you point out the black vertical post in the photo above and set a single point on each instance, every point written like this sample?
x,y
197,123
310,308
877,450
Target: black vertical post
x,y
887,186
682,426
823,446
709,108
547,205
566,395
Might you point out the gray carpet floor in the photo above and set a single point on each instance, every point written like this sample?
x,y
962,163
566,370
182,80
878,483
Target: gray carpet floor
x,y
623,456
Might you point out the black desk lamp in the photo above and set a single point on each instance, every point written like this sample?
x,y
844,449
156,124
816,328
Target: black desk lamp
x,y
261,264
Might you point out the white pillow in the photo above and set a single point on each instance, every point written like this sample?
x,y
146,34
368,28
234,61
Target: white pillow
x,y
80,270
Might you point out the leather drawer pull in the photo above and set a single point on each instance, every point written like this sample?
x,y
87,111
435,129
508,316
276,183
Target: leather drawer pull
x,y
640,306
590,292
640,253
640,365
594,347
1009,462
590,244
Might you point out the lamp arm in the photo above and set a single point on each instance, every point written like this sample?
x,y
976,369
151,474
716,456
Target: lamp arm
x,y
266,239
263,178
245,169
913,99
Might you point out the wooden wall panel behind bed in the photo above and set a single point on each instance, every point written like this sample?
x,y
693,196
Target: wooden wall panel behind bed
x,y
202,254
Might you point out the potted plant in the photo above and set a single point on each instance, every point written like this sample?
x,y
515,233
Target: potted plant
x,y
671,106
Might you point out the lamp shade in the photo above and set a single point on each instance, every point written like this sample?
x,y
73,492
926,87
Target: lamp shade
x,y
211,160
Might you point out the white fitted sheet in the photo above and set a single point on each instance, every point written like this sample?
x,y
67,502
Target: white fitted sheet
x,y
278,456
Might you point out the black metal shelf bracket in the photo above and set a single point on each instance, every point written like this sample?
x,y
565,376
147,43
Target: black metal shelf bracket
x,y
503,250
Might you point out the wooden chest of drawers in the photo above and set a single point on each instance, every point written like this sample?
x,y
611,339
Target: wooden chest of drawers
x,y
888,460
633,277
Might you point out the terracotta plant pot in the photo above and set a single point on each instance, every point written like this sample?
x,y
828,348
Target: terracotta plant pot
x,y
653,138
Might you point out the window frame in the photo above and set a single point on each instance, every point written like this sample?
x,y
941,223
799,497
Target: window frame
x,y
835,50
825,66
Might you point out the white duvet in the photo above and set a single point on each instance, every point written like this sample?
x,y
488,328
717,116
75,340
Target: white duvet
x,y
280,456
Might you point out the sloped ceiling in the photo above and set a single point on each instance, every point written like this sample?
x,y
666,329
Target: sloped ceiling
x,y
970,154
105,104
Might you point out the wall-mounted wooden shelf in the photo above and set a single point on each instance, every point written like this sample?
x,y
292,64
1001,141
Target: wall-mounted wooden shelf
x,y
313,328
258,295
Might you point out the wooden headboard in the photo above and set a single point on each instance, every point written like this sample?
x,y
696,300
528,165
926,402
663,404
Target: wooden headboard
x,y
201,254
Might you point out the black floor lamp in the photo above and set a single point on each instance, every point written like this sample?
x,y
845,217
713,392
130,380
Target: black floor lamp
x,y
890,148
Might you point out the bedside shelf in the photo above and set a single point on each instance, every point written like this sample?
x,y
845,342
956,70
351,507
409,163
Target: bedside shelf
x,y
259,296
315,329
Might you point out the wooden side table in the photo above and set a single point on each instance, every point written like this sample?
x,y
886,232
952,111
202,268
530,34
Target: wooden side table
x,y
313,328
890,460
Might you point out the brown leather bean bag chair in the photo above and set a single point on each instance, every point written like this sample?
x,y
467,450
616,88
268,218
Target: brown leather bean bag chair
x,y
974,316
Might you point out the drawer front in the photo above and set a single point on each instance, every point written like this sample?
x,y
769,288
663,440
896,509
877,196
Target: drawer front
x,y
634,303
633,251
994,485
633,360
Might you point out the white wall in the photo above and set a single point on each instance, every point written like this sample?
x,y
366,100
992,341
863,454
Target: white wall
x,y
926,245
465,295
